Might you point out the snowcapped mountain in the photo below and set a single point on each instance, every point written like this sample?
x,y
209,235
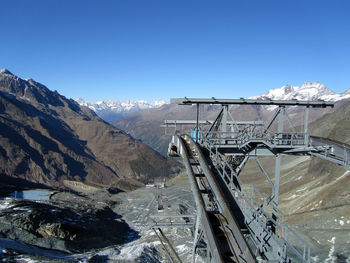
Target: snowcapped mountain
x,y
111,110
121,106
307,91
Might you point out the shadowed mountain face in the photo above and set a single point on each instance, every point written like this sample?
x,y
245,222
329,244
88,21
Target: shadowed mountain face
x,y
46,138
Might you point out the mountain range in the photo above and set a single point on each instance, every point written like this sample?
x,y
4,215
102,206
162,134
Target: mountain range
x,y
307,91
145,125
48,139
111,110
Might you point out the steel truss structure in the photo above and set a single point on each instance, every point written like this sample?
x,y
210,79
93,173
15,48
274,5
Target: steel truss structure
x,y
235,220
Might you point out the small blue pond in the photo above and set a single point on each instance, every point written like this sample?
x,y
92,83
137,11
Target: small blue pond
x,y
39,194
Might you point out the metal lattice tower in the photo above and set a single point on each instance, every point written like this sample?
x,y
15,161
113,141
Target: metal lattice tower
x,y
236,221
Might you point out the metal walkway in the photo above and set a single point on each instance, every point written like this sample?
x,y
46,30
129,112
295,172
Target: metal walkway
x,y
236,221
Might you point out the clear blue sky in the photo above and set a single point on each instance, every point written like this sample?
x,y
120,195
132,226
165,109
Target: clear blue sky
x,y
146,49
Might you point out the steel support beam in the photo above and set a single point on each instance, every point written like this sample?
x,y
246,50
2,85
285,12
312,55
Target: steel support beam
x,y
200,204
224,121
197,124
221,176
278,163
239,244
190,101
306,122
209,122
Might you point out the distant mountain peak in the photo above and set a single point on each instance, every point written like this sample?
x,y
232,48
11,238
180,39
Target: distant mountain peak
x,y
5,71
111,110
307,91
346,92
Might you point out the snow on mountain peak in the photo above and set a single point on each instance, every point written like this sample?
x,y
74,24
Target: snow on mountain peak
x,y
346,92
120,107
5,71
307,91
81,102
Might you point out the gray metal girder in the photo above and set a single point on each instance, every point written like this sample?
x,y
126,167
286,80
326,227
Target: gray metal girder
x,y
200,205
184,101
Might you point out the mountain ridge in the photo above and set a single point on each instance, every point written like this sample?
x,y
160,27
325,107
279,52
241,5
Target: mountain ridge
x,y
112,110
307,91
47,139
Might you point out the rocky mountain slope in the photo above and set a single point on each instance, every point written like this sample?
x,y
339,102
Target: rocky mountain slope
x,y
145,125
111,110
47,139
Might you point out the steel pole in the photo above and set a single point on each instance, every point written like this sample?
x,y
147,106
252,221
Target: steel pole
x,y
197,125
278,164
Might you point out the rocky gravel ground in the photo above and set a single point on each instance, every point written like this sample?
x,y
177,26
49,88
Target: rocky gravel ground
x,y
104,226
107,226
140,209
67,223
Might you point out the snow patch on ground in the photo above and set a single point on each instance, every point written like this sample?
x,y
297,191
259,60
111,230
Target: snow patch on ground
x,y
295,162
133,251
319,203
182,248
332,258
301,190
26,259
291,197
347,173
5,203
315,258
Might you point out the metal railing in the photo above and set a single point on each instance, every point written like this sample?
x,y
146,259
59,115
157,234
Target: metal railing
x,y
240,138
272,236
